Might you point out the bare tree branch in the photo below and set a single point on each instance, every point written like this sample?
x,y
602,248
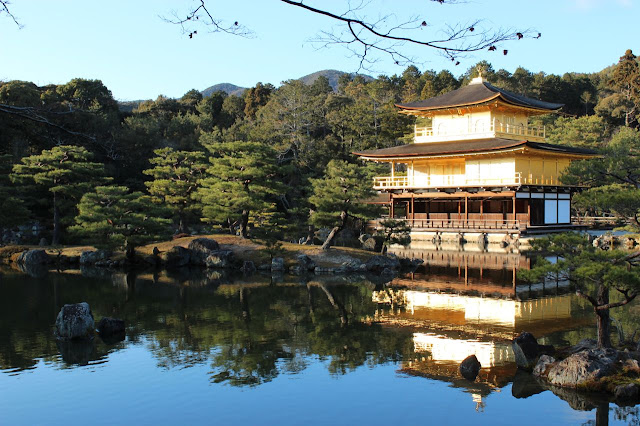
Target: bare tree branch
x,y
365,37
4,8
200,14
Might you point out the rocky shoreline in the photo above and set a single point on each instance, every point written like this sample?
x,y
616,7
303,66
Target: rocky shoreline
x,y
207,253
583,367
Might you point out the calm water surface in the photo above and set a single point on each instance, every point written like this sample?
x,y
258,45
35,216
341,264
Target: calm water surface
x,y
207,349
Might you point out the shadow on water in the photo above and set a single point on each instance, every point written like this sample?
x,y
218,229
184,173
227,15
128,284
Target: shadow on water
x,y
248,330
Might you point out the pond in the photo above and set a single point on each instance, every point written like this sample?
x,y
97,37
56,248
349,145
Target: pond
x,y
206,348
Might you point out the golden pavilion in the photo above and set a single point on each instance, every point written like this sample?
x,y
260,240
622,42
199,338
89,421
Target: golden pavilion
x,y
478,165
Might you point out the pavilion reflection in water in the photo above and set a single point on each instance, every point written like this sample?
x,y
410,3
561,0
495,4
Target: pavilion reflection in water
x,y
461,303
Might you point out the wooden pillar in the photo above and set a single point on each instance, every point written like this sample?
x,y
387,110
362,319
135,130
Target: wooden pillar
x,y
528,212
514,209
466,208
413,216
481,207
514,279
391,212
393,170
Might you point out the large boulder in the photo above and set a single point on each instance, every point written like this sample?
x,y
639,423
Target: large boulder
x,y
33,258
220,259
201,248
583,367
305,263
470,367
526,351
175,257
542,366
75,322
379,263
277,264
91,257
248,267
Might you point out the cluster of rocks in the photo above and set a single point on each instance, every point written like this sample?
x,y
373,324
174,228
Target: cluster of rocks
x,y
609,241
75,331
200,252
584,366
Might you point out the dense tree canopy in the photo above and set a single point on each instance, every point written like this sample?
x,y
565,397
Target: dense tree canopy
x,y
291,133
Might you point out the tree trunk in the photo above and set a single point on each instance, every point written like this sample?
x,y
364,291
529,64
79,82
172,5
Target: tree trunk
x,y
130,252
56,222
182,229
327,243
310,235
244,222
230,225
335,230
604,322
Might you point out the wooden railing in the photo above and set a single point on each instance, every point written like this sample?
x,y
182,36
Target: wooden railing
x,y
446,181
474,221
489,128
389,182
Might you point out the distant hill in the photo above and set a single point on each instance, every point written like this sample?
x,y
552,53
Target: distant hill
x,y
332,75
230,89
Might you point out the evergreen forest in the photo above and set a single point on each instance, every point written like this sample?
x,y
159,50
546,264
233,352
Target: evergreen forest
x,y
275,162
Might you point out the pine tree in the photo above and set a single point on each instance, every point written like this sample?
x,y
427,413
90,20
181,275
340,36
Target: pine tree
x,y
175,181
339,196
66,172
594,272
624,102
113,217
240,183
12,209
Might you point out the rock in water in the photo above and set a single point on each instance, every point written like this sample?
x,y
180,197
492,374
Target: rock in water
x,y
111,330
470,367
33,257
248,267
108,326
526,351
582,367
277,264
305,263
543,365
201,248
75,322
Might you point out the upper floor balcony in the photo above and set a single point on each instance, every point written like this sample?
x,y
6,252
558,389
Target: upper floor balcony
x,y
460,181
481,129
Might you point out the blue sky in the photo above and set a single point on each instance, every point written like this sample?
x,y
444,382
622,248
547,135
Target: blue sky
x,y
137,55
